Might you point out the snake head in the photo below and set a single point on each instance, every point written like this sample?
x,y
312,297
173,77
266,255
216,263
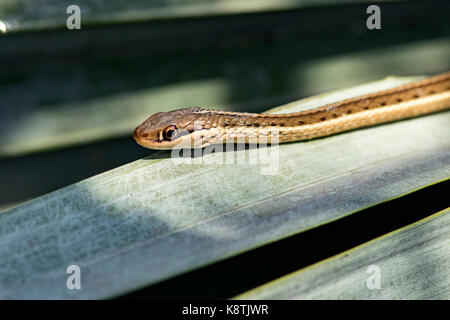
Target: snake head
x,y
167,130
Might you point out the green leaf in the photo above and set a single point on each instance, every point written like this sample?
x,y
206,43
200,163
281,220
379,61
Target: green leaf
x,y
411,263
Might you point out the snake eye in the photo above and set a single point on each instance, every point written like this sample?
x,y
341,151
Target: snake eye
x,y
170,133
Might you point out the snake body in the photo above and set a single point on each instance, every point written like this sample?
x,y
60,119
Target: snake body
x,y
196,127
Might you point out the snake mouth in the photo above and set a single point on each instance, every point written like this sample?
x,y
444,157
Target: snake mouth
x,y
157,144
150,142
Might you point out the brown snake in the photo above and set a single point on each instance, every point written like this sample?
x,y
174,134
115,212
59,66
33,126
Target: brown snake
x,y
196,127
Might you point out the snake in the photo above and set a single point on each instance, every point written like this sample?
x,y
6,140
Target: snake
x,y
196,127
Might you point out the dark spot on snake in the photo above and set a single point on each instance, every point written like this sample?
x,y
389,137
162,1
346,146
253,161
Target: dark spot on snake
x,y
256,125
415,96
366,108
432,91
349,111
322,119
399,100
301,122
383,103
273,124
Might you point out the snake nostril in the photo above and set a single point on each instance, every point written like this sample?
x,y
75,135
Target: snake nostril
x,y
145,135
136,133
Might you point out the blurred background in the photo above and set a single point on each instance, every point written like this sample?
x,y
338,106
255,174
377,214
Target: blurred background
x,y
70,99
